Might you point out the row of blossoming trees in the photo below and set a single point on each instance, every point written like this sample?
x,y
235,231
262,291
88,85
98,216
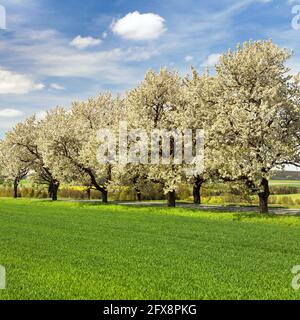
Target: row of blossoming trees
x,y
249,110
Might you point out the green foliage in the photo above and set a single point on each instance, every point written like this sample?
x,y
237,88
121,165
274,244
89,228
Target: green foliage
x,y
39,192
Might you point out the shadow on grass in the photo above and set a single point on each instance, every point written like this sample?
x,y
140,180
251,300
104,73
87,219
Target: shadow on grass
x,y
254,206
238,212
93,204
79,203
254,215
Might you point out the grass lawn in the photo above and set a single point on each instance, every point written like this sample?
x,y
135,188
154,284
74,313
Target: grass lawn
x,y
286,183
79,251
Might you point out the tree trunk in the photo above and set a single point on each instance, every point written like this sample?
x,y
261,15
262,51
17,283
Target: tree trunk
x,y
88,191
264,196
139,196
55,187
104,193
197,190
172,199
50,190
16,184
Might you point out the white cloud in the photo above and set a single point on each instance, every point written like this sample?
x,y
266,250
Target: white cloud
x,y
111,64
53,58
104,35
137,26
41,34
14,83
212,59
10,113
84,42
188,58
56,86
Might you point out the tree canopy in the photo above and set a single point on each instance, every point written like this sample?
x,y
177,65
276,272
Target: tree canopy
x,y
248,107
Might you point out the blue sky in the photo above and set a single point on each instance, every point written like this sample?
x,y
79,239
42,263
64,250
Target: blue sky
x,y
54,52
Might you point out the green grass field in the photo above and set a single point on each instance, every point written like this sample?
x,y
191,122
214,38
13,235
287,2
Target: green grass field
x,y
75,251
286,183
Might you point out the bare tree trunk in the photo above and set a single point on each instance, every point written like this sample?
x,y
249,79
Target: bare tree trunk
x,y
264,196
198,182
104,193
139,196
50,190
88,191
55,187
16,184
172,199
